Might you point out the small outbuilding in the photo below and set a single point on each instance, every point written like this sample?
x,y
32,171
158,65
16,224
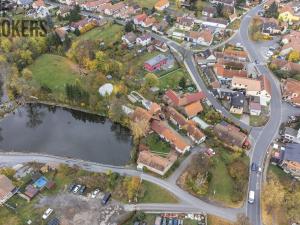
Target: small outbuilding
x,y
106,89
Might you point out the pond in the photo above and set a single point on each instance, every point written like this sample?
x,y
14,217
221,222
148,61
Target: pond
x,y
64,132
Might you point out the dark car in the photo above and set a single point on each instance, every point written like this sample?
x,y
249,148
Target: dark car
x,y
71,187
253,167
82,189
106,198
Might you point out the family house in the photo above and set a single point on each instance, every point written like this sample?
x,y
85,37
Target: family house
x,y
291,91
215,22
148,22
223,2
37,4
209,11
287,13
115,8
161,5
195,134
171,136
290,159
160,27
138,19
129,38
7,189
270,26
155,63
175,117
184,23
141,114
293,36
254,108
93,5
174,99
155,163
64,11
144,40
235,55
291,134
204,37
193,109
230,134
225,75
237,102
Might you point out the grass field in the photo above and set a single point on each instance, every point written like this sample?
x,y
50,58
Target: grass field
x,y
145,3
152,196
54,72
108,34
172,79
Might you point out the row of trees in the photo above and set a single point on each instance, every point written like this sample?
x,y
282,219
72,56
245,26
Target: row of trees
x,y
76,93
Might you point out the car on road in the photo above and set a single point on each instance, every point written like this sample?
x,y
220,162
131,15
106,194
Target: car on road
x,y
47,213
253,167
269,54
251,197
94,194
76,189
106,198
82,189
71,187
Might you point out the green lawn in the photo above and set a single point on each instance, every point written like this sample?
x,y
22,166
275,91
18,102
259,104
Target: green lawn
x,y
151,194
172,79
54,72
221,185
108,33
258,121
157,145
145,3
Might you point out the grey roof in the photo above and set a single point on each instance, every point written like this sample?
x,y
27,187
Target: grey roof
x,y
25,2
237,99
292,152
155,60
290,131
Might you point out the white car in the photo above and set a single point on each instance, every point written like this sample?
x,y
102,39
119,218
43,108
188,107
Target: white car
x,y
76,189
94,194
269,53
47,213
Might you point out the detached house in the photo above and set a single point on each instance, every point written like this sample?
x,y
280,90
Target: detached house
x,y
7,189
184,23
138,19
291,91
171,136
148,22
287,13
235,56
270,26
129,38
160,27
115,8
290,159
237,102
144,40
224,2
155,63
230,134
204,37
225,75
195,134
161,5
209,11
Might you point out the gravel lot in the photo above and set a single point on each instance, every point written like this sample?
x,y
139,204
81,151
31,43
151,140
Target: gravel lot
x,y
74,209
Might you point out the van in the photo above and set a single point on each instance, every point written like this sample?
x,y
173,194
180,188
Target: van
x,y
251,197
47,213
106,198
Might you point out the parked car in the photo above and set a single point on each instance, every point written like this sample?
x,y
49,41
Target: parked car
x,y
94,194
71,187
76,189
82,189
47,213
106,198
253,167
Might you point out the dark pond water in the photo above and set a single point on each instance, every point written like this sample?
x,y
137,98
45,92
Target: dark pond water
x,y
63,132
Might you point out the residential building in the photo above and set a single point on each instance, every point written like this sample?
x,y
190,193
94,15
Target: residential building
x,y
129,38
291,91
290,159
148,22
37,4
184,23
235,55
83,23
193,109
204,37
155,63
64,11
254,108
138,19
230,134
293,36
209,11
225,75
171,136
144,40
287,14
155,163
237,102
290,134
115,8
224,2
160,46
61,33
195,134
175,117
270,26
160,27
174,99
93,5
206,57
140,114
161,5
7,189
214,22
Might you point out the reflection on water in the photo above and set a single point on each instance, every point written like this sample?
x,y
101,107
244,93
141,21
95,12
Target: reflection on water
x,y
65,132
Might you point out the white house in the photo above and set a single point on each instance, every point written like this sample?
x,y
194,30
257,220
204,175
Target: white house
x,y
255,109
144,40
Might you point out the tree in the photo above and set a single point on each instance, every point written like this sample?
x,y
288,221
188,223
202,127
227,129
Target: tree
x,y
133,186
291,203
9,172
219,8
139,129
116,112
242,219
27,74
129,26
272,11
151,80
74,14
182,82
294,56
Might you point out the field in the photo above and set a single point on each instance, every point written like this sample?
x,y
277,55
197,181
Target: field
x,y
145,3
151,195
171,80
109,33
54,72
